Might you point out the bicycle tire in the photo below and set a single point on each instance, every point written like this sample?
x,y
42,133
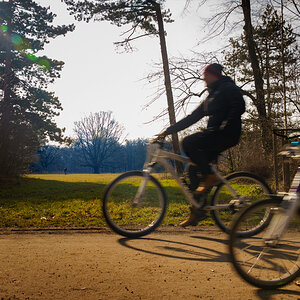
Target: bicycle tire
x,y
278,258
119,211
256,188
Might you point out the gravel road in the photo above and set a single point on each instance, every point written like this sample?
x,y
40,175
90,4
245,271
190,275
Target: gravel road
x,y
172,263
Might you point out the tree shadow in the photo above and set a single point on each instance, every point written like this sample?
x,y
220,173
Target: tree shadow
x,y
269,294
223,241
42,190
176,250
31,202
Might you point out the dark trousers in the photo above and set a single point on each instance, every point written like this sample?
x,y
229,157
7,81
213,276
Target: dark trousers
x,y
203,148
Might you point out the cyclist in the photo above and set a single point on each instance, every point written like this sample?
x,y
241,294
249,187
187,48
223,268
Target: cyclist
x,y
224,106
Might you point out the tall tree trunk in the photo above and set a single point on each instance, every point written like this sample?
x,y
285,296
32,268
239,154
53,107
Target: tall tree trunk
x,y
265,124
283,67
168,86
286,164
8,74
6,105
269,105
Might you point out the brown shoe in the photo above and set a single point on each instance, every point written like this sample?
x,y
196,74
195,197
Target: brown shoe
x,y
210,180
194,218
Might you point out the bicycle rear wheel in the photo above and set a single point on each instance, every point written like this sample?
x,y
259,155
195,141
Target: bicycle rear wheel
x,y
259,262
250,188
127,216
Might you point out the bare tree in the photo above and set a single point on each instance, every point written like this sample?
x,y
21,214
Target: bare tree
x,y
142,15
227,16
187,82
97,137
47,155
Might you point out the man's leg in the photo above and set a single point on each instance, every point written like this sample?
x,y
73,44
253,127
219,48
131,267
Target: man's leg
x,y
210,179
198,147
191,146
202,149
195,177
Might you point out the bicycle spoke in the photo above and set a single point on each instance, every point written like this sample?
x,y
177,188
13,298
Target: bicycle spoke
x,y
134,205
259,262
259,256
248,188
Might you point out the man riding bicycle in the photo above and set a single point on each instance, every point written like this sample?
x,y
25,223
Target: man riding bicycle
x,y
224,106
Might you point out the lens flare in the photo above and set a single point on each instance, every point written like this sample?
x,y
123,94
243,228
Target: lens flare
x,y
16,39
4,28
31,57
44,63
23,44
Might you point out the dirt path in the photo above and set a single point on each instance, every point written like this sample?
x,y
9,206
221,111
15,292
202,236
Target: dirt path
x,y
171,264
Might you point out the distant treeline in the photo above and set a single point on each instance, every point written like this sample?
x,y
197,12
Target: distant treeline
x,y
122,157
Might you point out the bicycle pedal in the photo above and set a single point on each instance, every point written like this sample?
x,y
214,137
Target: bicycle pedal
x,y
234,202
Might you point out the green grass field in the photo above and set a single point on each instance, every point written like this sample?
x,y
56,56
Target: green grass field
x,y
75,200
72,200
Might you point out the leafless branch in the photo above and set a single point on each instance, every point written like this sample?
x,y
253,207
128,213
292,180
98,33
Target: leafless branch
x,y
186,79
296,7
295,104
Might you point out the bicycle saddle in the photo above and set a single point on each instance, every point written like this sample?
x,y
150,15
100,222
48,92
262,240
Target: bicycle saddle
x,y
291,150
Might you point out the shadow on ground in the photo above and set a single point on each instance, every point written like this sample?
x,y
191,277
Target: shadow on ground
x,y
268,294
44,190
177,249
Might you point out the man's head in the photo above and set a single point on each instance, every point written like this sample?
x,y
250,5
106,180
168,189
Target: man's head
x,y
212,73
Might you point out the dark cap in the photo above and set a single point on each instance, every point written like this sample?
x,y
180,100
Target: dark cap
x,y
215,69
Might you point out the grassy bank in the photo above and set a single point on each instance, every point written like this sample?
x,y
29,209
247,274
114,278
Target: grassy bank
x,y
72,200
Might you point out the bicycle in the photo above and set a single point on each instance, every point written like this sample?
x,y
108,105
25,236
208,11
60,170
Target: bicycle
x,y
270,259
135,203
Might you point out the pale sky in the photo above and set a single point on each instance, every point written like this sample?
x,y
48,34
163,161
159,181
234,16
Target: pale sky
x,y
96,77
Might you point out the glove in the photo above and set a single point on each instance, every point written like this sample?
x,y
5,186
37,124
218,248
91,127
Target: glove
x,y
159,137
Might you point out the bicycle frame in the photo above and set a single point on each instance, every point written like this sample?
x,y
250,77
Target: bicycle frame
x,y
285,212
157,155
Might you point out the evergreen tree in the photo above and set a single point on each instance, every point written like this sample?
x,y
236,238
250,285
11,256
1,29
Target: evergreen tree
x,y
268,49
139,14
26,107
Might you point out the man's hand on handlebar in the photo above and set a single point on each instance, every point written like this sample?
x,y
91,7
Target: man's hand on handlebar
x,y
159,138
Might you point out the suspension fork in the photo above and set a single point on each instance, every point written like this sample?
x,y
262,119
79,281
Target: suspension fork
x,y
141,189
148,166
281,219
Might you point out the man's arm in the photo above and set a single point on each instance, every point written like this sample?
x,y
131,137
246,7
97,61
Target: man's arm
x,y
186,122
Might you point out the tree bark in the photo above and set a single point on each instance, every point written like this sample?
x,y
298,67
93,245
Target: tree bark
x,y
8,74
283,67
6,105
171,110
269,105
265,124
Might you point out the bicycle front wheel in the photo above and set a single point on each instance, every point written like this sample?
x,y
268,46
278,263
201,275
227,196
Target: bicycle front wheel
x,y
248,187
134,204
262,262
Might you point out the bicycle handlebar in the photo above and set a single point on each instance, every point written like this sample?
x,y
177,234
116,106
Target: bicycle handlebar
x,y
285,136
158,140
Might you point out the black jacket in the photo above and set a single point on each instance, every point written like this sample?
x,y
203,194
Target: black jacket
x,y
224,106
